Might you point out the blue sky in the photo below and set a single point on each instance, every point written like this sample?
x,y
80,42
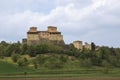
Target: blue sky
x,y
86,20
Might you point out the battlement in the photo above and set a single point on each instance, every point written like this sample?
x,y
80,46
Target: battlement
x,y
77,41
33,29
52,29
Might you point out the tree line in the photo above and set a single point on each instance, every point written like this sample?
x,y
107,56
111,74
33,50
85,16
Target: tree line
x,y
102,56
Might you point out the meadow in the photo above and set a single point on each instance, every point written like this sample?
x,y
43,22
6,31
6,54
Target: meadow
x,y
11,70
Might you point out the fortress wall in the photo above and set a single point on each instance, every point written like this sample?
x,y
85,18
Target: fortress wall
x,y
51,35
87,46
32,37
44,35
78,44
56,37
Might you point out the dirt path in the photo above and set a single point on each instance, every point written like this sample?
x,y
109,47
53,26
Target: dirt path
x,y
107,78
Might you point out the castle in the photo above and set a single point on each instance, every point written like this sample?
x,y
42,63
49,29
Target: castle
x,y
50,35
79,45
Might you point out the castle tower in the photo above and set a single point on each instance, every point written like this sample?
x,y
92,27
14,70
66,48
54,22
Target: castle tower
x,y
78,44
55,36
33,29
52,29
32,36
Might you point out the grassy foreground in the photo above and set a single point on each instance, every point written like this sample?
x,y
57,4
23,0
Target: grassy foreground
x,y
8,70
11,70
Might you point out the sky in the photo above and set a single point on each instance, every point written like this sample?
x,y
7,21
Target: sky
x,y
89,21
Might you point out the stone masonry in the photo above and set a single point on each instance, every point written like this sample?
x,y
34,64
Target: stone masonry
x,y
50,35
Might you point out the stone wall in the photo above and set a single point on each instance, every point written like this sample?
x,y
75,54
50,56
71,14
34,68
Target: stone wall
x,y
87,46
50,35
78,44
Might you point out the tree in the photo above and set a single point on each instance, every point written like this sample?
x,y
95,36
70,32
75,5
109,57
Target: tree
x,y
41,59
4,43
85,54
32,50
35,63
52,48
22,62
93,46
106,66
53,63
24,48
114,61
9,50
86,63
63,58
15,57
42,48
2,51
14,47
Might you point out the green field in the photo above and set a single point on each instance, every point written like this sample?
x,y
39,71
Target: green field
x,y
12,70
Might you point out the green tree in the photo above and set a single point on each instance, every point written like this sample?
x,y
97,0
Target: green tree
x,y
114,61
53,63
9,50
4,43
41,59
22,62
13,47
86,54
2,51
15,57
24,48
93,46
35,63
42,48
63,58
52,48
106,66
86,63
32,50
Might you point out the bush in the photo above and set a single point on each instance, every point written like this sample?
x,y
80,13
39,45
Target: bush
x,y
54,63
15,57
106,66
85,63
22,62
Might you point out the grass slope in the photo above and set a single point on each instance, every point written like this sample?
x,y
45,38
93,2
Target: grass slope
x,y
8,68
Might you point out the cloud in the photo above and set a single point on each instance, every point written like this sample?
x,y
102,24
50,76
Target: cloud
x,y
89,20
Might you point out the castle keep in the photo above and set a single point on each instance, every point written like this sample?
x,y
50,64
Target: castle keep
x,y
50,35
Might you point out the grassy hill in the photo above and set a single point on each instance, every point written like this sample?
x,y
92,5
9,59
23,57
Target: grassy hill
x,y
71,68
8,68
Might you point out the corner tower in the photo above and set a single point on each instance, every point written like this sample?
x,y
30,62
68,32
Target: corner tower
x,y
32,36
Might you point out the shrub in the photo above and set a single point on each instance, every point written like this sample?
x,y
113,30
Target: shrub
x,y
15,57
22,62
54,63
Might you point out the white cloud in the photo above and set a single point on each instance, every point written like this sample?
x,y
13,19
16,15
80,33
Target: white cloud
x,y
76,22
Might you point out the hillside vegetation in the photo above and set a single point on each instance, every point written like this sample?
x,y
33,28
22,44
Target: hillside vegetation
x,y
44,59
